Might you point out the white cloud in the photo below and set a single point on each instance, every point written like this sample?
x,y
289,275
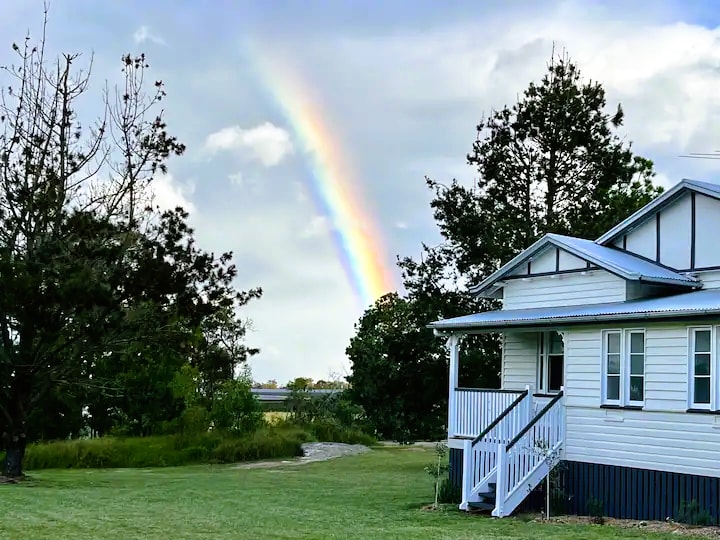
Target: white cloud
x,y
318,226
168,194
401,225
144,34
266,142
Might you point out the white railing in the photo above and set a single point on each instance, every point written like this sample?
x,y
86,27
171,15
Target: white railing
x,y
474,409
481,454
529,457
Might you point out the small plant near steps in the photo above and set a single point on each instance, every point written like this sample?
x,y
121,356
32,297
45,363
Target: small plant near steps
x,y
445,492
551,458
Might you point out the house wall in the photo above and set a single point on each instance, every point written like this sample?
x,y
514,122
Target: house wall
x,y
591,287
669,234
551,259
519,360
662,436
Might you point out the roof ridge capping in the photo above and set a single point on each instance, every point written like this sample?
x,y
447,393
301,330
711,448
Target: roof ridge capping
x,y
699,186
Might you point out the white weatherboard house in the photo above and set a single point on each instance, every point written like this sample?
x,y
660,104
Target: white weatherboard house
x,y
610,363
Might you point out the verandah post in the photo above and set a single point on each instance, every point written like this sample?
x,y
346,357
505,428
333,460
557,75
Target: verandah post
x,y
501,481
468,474
453,345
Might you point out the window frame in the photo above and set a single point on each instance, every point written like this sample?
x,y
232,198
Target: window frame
x,y
713,404
625,374
543,362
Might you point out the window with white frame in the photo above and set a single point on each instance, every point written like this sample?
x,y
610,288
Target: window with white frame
x,y
624,367
551,359
702,371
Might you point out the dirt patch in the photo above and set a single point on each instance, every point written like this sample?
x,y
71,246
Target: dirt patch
x,y
669,526
312,452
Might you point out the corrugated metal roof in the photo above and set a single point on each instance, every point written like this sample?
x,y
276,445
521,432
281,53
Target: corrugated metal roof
x,y
706,188
697,303
624,264
621,262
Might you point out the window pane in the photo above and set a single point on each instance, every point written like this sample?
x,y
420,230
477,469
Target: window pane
x,y
702,341
637,342
613,343
702,390
613,387
702,364
556,372
613,364
637,389
556,343
637,364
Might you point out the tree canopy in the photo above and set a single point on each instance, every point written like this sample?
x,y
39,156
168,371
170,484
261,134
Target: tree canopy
x,y
104,299
552,162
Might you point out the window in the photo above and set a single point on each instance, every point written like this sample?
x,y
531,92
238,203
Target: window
x,y
624,367
551,362
701,368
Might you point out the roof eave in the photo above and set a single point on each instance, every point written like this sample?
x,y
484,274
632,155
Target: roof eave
x,y
526,323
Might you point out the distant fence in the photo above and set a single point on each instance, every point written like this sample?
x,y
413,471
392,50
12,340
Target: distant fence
x,y
276,398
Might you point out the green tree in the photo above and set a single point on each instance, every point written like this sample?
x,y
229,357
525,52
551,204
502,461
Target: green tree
x,y
553,162
81,286
187,304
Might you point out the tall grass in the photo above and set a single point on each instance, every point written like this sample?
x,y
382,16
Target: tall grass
x,y
281,440
166,450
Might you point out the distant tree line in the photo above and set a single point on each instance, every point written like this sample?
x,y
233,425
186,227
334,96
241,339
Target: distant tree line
x,y
552,162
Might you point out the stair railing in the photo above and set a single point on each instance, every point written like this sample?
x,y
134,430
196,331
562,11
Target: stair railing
x,y
538,443
480,454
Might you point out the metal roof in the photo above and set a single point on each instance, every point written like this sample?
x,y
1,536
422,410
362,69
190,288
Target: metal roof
x,y
685,305
706,188
613,260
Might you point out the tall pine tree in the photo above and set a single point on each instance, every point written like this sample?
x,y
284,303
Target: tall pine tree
x,y
552,162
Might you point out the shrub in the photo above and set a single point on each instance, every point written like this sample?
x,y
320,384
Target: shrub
x,y
235,409
596,510
328,431
691,514
449,493
263,444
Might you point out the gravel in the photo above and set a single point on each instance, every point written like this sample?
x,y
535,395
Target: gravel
x,y
313,452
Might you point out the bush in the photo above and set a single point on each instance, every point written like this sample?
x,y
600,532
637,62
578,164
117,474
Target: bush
x,y
596,510
327,431
263,444
235,409
448,493
691,514
167,450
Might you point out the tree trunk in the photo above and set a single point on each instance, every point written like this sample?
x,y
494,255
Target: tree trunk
x,y
14,454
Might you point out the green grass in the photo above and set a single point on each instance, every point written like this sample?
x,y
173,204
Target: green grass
x,y
376,495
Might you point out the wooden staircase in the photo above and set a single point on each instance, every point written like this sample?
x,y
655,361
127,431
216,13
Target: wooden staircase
x,y
503,464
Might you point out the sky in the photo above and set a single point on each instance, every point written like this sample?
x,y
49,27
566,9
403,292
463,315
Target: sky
x,y
310,125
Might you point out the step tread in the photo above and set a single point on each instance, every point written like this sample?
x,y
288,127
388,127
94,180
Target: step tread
x,y
488,495
477,505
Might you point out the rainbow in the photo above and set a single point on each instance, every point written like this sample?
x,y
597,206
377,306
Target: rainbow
x,y
333,186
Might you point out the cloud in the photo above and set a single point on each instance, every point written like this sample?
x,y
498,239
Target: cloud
x,y
169,194
318,226
266,142
401,225
144,34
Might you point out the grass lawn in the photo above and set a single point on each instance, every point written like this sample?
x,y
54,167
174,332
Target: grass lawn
x,y
376,495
